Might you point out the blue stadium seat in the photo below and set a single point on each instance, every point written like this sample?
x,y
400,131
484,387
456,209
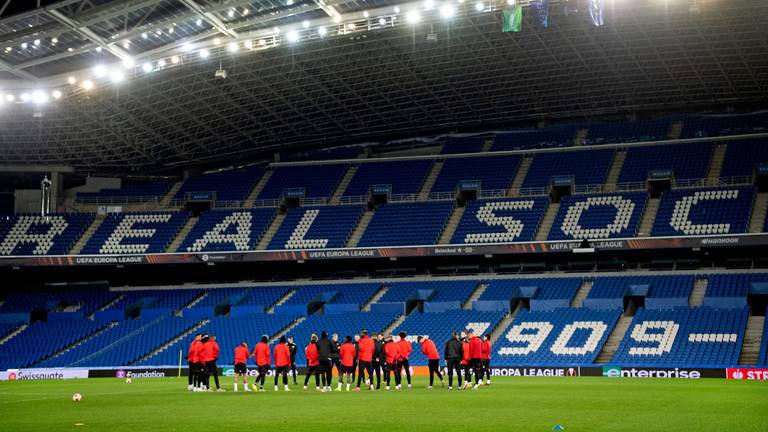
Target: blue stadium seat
x,y
687,161
336,153
129,191
228,230
438,291
660,292
724,124
172,299
598,216
543,288
405,177
318,181
124,233
683,338
500,220
494,172
628,131
762,358
587,167
31,234
704,211
85,300
466,144
42,340
742,156
567,337
230,185
733,285
316,227
551,136
407,224
440,326
358,293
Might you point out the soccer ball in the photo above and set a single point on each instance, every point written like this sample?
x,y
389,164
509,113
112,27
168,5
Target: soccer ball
x,y
128,381
76,397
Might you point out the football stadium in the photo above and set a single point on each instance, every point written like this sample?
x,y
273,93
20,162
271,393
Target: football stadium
x,y
366,215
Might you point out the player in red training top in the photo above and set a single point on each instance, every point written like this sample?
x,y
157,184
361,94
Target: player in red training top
x,y
466,357
429,349
365,348
405,352
282,361
192,382
476,356
392,354
241,359
486,359
263,360
347,359
313,360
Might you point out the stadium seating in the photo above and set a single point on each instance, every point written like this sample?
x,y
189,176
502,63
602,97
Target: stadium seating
x,y
687,161
544,293
318,181
135,345
113,332
467,144
358,293
29,234
122,233
227,230
172,299
586,167
41,340
342,324
731,290
762,358
683,337
500,221
704,211
742,156
494,172
230,185
316,227
551,136
724,124
85,300
405,177
407,224
628,131
660,292
568,337
598,216
129,191
433,291
440,326
348,152
229,333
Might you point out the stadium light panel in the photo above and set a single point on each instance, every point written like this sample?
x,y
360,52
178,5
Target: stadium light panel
x,y
10,98
170,30
23,45
337,19
144,35
233,47
128,63
289,2
249,44
447,11
87,85
351,26
98,49
204,53
8,49
159,32
186,47
175,59
126,44
366,14
293,36
276,30
70,49
216,41
479,6
429,4
231,13
39,97
322,31
72,80
54,40
117,76
199,22
397,9
56,94
147,67
245,11
382,21
25,97
37,42
511,2
305,24
161,64
100,71
413,17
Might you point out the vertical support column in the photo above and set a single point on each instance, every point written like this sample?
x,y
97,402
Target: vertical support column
x,y
57,189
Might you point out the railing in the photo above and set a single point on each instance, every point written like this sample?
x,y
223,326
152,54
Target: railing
x,y
119,200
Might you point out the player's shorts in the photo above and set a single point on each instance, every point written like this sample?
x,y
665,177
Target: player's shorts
x,y
240,368
347,369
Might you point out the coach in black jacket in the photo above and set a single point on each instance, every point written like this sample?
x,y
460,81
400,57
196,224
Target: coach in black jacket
x,y
453,354
379,359
324,349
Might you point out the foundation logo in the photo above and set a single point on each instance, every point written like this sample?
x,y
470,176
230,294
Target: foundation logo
x,y
120,374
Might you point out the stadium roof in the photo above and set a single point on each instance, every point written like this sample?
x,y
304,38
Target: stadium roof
x,y
372,75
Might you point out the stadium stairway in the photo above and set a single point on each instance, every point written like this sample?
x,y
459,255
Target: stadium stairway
x,y
183,233
287,329
271,231
359,230
675,129
522,171
287,296
395,324
698,292
200,297
81,341
487,144
113,302
716,163
80,243
649,217
375,298
613,173
175,339
14,333
504,324
547,221
581,136
451,225
165,203
614,339
343,183
426,188
759,208
476,294
753,336
251,198
582,293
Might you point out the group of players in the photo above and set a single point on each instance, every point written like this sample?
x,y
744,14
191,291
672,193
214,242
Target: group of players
x,y
465,354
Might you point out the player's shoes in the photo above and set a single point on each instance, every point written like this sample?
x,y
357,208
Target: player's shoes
x,y
221,390
275,388
409,386
190,387
429,387
387,388
475,387
450,388
305,388
487,382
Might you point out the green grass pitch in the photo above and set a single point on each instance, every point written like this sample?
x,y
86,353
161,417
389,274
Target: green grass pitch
x,y
509,404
